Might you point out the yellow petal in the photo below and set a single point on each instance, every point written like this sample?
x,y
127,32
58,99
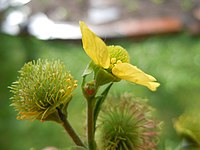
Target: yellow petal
x,y
131,73
94,47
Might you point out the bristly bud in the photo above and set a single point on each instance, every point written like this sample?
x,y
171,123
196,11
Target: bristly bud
x,y
42,87
127,125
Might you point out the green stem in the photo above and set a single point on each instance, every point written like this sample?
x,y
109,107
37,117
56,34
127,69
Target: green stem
x,y
69,129
90,125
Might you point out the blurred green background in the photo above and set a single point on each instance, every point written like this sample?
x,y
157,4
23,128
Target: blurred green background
x,y
173,59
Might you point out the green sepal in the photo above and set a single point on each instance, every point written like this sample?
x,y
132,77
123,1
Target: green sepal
x,y
64,106
102,76
99,103
54,116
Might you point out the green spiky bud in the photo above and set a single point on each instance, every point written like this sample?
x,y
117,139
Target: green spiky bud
x,y
127,125
42,87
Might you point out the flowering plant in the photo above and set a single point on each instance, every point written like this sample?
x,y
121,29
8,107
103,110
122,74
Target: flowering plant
x,y
45,88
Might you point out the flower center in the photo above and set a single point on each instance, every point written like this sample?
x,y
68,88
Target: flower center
x,y
117,55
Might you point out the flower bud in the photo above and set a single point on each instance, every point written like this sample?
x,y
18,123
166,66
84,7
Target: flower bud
x,y
90,89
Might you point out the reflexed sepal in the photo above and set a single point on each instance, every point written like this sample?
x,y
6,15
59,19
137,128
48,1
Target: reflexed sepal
x,y
100,77
103,77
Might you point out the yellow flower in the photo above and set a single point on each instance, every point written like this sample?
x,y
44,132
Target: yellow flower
x,y
114,59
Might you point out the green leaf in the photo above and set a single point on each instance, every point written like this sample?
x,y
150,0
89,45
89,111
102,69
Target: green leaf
x,y
99,103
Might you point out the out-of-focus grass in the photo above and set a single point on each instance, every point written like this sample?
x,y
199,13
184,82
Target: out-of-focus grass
x,y
173,60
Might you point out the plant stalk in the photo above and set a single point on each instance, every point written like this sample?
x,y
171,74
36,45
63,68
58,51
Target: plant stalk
x,y
70,130
90,125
